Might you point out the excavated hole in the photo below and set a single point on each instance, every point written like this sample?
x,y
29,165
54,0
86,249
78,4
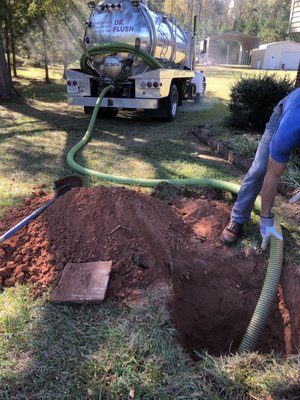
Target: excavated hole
x,y
171,236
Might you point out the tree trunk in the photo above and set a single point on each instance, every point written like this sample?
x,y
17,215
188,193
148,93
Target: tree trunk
x,y
7,90
13,45
65,60
45,52
13,42
65,51
7,45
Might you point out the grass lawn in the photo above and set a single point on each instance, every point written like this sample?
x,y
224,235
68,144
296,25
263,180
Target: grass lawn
x,y
91,352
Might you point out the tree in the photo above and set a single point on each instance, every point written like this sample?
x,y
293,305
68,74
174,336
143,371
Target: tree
x,y
13,23
10,25
266,19
53,23
37,11
7,90
157,6
274,20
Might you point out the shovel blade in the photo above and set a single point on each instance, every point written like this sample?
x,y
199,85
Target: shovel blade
x,y
65,184
61,186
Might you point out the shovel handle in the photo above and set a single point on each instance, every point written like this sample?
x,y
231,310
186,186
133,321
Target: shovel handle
x,y
25,221
295,198
61,187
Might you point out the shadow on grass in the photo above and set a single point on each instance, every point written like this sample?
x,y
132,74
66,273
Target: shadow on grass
x,y
169,158
153,142
58,352
34,149
53,356
292,392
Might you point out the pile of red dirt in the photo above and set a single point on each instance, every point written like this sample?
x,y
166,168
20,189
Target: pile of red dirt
x,y
149,241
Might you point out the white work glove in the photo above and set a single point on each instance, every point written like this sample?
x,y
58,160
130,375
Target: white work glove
x,y
268,229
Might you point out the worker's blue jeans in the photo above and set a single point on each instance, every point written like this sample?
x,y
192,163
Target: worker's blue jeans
x,y
254,179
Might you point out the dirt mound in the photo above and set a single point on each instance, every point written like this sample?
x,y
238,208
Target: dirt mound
x,y
149,241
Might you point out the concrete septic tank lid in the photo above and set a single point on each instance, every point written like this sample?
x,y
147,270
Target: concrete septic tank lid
x,y
83,283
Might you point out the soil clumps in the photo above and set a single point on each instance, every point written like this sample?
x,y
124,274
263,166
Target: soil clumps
x,y
150,240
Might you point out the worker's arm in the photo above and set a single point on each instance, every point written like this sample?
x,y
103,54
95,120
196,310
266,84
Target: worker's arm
x,y
269,189
285,139
267,227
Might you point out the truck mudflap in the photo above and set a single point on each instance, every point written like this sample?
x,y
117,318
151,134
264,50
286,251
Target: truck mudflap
x,y
199,82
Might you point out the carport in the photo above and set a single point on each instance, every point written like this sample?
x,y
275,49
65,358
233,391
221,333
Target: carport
x,y
246,42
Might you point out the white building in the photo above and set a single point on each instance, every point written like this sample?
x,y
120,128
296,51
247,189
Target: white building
x,y
279,55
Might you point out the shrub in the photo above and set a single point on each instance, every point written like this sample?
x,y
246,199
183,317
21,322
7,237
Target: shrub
x,y
292,173
252,99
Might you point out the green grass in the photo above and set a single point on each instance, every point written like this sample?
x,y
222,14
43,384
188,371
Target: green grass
x,y
108,352
27,74
220,79
35,137
156,152
48,93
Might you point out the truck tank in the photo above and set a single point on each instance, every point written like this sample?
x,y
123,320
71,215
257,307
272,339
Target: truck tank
x,y
131,22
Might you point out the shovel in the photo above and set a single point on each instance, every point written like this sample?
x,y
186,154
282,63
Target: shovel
x,y
60,187
295,198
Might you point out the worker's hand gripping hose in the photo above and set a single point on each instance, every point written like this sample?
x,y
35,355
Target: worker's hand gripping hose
x,y
269,290
268,230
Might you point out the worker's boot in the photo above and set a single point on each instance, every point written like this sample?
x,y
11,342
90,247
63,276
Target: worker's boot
x,y
231,233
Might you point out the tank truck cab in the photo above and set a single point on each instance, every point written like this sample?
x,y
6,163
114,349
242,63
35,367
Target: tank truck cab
x,y
146,57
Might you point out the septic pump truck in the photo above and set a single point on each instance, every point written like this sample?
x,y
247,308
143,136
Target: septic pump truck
x,y
147,58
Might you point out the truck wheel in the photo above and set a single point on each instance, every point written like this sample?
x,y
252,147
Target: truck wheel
x,y
173,100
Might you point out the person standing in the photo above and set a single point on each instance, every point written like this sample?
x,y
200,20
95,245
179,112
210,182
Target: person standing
x,y
281,136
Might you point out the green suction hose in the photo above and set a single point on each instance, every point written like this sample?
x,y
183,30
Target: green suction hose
x,y
137,181
116,47
268,293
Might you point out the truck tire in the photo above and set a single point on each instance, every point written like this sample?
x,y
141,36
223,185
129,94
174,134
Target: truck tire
x,y
168,106
172,104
